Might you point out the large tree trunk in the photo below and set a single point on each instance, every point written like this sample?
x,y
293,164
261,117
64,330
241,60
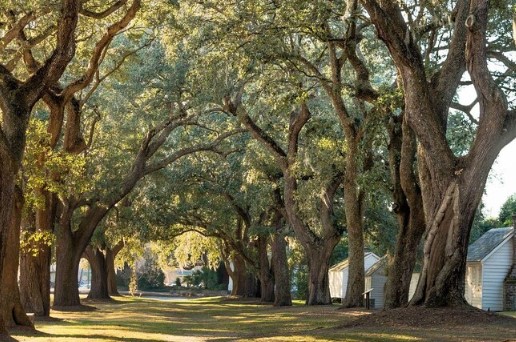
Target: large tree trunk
x,y
318,249
408,208
66,291
99,276
6,199
282,295
412,227
35,269
12,312
318,265
12,143
451,186
266,275
445,250
17,98
252,285
70,246
353,204
238,275
68,257
111,254
35,281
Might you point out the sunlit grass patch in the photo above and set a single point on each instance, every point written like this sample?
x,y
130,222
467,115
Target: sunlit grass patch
x,y
219,319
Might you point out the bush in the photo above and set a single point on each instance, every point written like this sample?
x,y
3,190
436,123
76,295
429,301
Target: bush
x,y
205,278
149,274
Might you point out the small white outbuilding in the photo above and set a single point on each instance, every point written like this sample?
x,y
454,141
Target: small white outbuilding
x,y
375,279
489,263
338,274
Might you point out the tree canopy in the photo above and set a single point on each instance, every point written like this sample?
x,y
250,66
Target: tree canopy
x,y
250,133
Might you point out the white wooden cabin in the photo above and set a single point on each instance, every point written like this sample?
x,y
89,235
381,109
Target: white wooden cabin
x,y
338,274
375,279
489,263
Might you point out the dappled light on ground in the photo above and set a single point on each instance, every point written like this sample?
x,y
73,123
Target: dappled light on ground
x,y
217,319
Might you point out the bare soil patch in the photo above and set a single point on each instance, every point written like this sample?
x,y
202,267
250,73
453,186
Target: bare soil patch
x,y
421,317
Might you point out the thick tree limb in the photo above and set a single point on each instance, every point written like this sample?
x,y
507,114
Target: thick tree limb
x,y
298,120
16,28
105,13
98,51
262,137
492,101
446,81
189,150
54,66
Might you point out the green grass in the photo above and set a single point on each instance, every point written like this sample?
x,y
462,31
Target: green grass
x,y
216,319
510,313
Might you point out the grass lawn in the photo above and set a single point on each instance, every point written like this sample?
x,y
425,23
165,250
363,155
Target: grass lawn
x,y
219,319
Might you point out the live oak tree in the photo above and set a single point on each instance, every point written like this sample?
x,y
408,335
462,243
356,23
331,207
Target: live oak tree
x,y
315,229
101,254
206,190
19,93
40,165
320,44
451,186
75,231
65,127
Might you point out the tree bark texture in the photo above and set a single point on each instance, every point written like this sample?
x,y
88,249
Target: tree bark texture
x,y
6,217
282,295
17,99
408,208
451,186
238,276
12,310
99,273
111,254
69,250
102,262
265,271
353,204
35,269
68,256
252,285
318,267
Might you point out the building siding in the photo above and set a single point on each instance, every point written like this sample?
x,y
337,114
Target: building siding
x,y
495,268
413,285
377,282
473,293
339,278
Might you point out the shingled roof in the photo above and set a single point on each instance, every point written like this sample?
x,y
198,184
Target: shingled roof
x,y
379,265
481,248
343,264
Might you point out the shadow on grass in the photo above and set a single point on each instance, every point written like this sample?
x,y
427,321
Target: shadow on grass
x,y
139,319
40,334
74,308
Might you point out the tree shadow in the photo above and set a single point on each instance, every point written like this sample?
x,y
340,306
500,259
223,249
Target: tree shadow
x,y
40,334
75,308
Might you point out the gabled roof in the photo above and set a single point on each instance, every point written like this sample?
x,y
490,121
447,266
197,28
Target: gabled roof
x,y
481,248
343,264
377,266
